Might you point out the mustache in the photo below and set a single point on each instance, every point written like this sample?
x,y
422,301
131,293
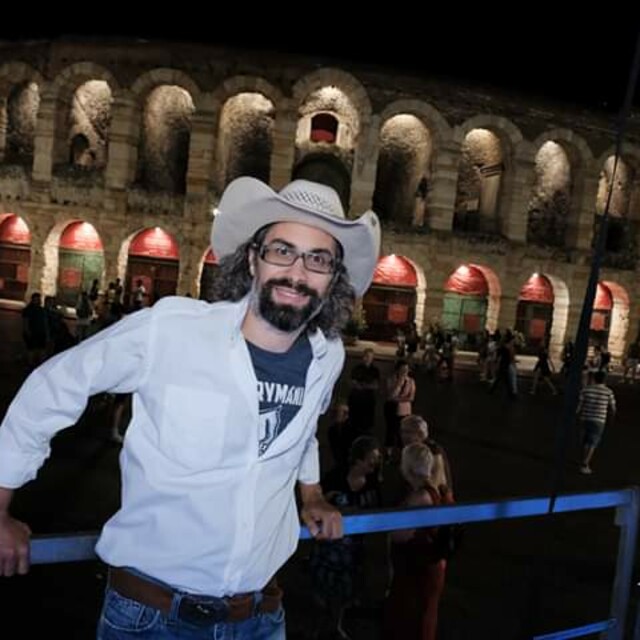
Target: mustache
x,y
301,287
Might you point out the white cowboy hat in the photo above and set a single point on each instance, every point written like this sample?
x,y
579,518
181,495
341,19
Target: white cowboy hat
x,y
248,205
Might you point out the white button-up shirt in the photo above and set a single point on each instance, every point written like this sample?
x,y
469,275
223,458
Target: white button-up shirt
x,y
200,509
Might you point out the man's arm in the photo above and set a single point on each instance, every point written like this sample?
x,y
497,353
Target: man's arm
x,y
14,539
323,520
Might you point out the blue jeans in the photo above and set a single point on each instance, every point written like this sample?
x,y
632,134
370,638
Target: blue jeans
x,y
125,619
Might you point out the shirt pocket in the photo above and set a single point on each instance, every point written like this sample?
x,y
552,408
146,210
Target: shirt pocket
x,y
193,426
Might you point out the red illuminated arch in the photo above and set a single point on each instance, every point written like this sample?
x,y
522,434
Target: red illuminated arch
x,y
80,236
395,271
467,280
154,243
537,289
603,300
14,230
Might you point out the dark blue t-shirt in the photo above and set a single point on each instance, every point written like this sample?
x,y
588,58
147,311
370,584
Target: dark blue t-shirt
x,y
281,386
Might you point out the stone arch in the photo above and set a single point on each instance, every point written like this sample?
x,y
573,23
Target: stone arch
x,y
18,82
247,84
429,115
478,300
488,145
245,128
148,81
580,158
619,318
404,168
67,81
561,302
396,297
166,100
51,250
71,117
345,81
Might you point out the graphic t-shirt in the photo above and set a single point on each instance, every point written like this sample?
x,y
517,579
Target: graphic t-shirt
x,y
281,385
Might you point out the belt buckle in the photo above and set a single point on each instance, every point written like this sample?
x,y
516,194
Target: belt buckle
x,y
203,611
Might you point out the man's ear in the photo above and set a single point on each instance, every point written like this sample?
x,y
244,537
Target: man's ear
x,y
253,256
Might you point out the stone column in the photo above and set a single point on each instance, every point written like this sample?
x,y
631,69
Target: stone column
x,y
433,306
516,192
284,147
507,313
123,142
580,231
45,145
202,147
365,165
3,128
441,197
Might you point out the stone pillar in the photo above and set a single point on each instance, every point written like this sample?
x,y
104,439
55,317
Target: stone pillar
x,y
433,306
189,267
123,142
580,231
3,128
365,165
441,197
44,140
284,147
202,147
514,204
507,313
37,265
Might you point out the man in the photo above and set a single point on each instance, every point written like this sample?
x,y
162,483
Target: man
x,y
226,398
595,401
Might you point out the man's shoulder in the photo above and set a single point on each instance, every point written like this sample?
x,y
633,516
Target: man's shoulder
x,y
182,308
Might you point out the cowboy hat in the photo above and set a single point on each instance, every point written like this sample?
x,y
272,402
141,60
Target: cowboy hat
x,y
248,204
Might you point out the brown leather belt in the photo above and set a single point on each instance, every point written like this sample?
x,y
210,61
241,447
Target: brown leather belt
x,y
194,608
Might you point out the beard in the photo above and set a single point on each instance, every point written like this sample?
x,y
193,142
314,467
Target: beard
x,y
286,317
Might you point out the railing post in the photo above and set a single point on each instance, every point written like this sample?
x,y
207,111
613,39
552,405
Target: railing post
x,y
627,519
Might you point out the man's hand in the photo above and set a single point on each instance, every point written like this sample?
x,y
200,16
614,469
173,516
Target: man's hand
x,y
322,519
14,546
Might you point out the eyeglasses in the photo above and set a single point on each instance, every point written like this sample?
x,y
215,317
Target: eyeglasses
x,y
284,255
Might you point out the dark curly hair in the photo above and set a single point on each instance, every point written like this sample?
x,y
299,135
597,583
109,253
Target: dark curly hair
x,y
233,280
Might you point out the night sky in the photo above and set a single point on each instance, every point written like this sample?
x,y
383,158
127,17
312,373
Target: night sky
x,y
580,59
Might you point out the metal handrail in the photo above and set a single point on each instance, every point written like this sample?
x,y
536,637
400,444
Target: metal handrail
x,y
76,547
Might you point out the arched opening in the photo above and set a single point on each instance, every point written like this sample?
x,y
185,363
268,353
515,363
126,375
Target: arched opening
x,y
550,203
470,304
601,316
245,141
620,236
89,123
324,128
534,313
21,115
15,257
390,302
209,268
479,177
155,260
164,143
610,317
403,171
80,261
323,157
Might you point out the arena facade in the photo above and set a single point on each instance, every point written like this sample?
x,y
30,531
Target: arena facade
x,y
114,153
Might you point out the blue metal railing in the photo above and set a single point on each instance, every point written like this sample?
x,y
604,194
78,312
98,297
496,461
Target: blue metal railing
x,y
77,547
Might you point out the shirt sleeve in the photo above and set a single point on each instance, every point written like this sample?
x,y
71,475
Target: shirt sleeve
x,y
309,472
55,395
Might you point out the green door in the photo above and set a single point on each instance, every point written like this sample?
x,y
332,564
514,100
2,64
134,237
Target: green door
x,y
76,271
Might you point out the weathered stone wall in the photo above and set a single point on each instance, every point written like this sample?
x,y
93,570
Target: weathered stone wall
x,y
169,127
